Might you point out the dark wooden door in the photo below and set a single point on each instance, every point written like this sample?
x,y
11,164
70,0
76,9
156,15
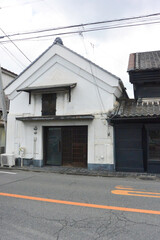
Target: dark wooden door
x,y
129,147
74,146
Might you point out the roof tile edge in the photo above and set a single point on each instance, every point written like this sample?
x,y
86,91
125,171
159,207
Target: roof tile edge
x,y
131,63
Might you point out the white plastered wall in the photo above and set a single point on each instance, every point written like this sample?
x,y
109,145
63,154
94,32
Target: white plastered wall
x,y
100,144
95,93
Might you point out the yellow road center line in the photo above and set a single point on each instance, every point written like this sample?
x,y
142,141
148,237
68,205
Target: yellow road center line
x,y
81,204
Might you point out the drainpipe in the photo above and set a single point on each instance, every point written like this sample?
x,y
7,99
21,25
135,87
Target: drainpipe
x,y
34,143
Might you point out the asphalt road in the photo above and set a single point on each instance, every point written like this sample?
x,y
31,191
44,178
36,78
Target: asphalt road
x,y
46,206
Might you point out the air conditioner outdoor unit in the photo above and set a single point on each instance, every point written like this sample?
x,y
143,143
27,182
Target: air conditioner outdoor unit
x,y
7,160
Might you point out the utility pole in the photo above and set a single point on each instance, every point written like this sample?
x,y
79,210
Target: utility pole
x,y
3,103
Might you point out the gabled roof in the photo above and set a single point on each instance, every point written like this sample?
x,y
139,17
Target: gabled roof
x,y
144,61
58,43
8,72
131,109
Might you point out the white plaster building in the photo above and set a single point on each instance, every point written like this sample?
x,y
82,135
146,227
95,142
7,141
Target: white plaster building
x,y
7,77
58,111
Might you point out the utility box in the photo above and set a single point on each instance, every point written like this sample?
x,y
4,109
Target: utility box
x,y
7,160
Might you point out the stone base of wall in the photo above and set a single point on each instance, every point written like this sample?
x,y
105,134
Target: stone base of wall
x,y
107,167
39,163
29,162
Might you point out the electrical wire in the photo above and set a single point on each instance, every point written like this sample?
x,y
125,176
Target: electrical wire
x,y
85,24
16,46
16,60
94,78
82,31
109,24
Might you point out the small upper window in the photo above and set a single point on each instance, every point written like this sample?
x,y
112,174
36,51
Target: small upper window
x,y
49,104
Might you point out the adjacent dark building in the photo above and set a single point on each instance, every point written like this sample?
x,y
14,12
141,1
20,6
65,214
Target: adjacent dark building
x,y
137,121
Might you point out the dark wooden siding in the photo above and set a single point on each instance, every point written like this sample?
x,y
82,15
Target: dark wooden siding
x,y
146,83
144,76
128,148
146,90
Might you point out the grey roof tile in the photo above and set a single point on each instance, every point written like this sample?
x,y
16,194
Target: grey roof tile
x,y
131,108
144,61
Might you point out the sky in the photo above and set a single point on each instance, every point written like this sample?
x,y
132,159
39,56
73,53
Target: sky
x,y
108,48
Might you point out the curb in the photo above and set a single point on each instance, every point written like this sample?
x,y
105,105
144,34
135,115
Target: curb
x,y
82,172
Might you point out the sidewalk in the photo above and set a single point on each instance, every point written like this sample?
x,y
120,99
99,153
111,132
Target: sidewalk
x,y
84,171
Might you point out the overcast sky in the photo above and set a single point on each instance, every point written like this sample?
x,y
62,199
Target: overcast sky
x,y
109,49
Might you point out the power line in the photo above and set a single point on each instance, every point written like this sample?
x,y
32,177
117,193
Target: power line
x,y
83,30
16,46
83,25
94,78
16,60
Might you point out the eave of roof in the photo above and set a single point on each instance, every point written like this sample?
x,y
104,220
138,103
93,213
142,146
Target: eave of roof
x,y
10,73
52,88
51,118
131,62
132,109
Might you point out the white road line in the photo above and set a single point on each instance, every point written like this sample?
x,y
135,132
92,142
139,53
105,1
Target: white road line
x,y
8,172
